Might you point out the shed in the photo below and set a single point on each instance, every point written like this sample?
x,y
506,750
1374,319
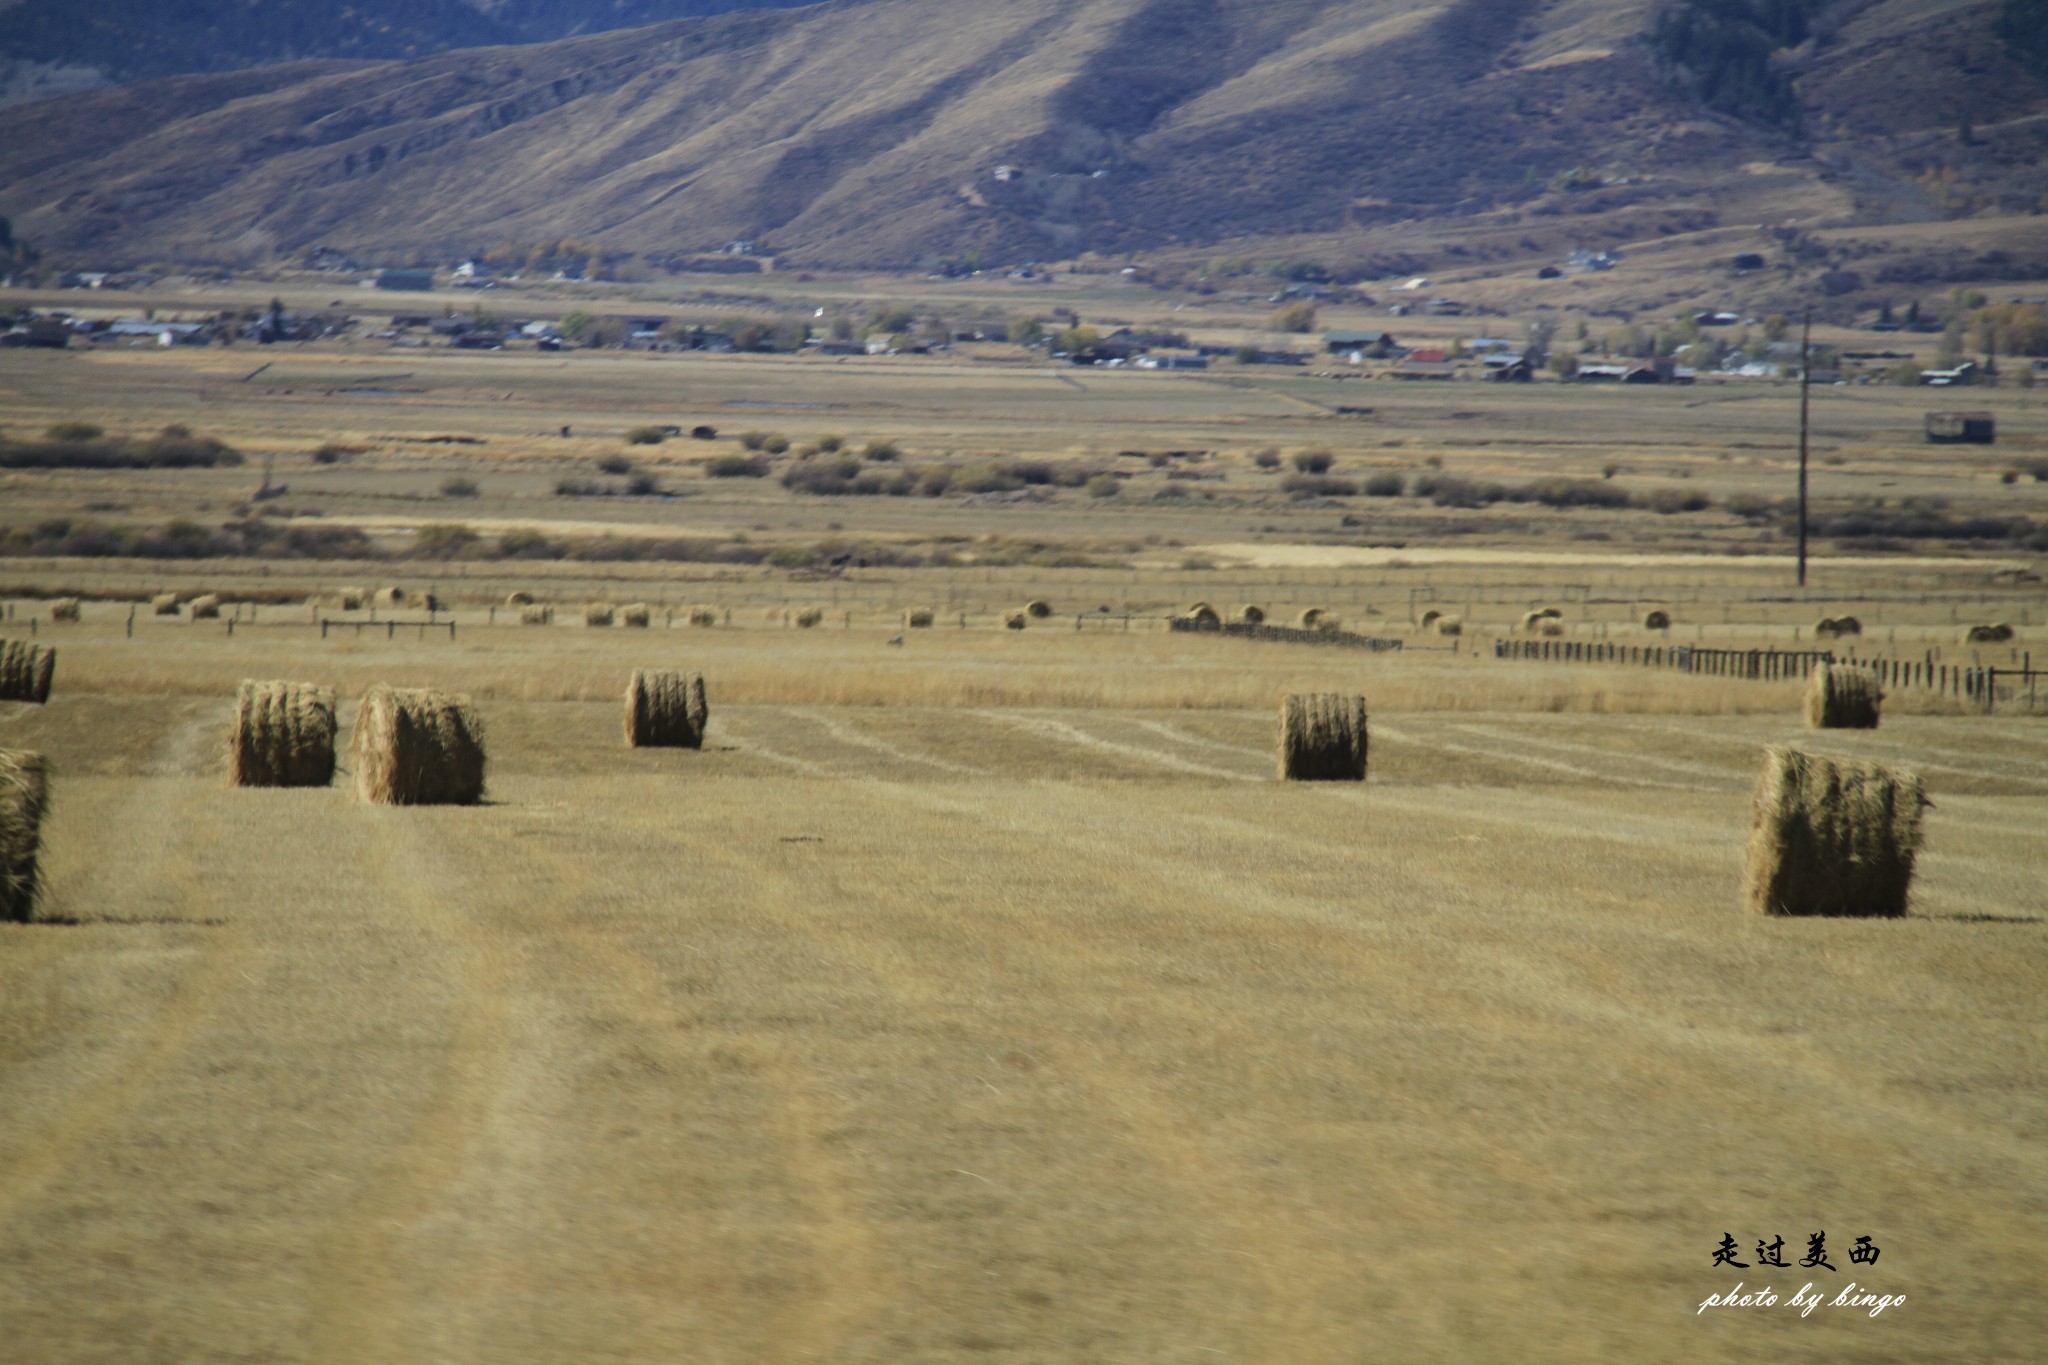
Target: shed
x,y
1955,428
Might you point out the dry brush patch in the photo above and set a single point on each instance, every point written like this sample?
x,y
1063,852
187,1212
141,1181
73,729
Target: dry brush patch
x,y
24,798
1833,836
418,747
283,735
665,709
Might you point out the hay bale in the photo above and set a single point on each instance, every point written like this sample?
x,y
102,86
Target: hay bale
x,y
418,747
1311,618
519,598
1202,614
1429,618
1842,697
810,616
1997,633
283,735
64,609
1038,610
1450,625
26,670
535,615
164,604
1014,620
637,615
1833,626
1832,836
1532,622
1657,620
703,616
597,614
1552,612
351,599
1251,614
918,618
665,710
24,797
1322,738
430,603
205,608
1551,629
389,597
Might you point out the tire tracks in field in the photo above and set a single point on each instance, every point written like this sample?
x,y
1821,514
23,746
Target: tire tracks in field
x,y
1509,756
846,734
360,1314
1676,765
175,836
1047,728
1905,751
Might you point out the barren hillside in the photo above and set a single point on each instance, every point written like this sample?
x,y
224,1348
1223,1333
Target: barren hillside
x,y
889,132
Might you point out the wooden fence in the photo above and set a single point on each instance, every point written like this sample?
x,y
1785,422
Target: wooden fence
x,y
1763,665
1245,631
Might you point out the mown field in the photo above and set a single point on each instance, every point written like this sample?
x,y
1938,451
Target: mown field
x,y
984,997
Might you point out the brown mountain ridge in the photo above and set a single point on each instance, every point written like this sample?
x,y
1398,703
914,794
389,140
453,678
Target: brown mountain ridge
x,y
872,132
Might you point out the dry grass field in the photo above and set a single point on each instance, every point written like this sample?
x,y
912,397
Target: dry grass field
x,y
985,998
978,994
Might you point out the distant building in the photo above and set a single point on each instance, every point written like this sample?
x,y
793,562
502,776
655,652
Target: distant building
x,y
410,281
1954,428
1965,373
1370,343
1509,369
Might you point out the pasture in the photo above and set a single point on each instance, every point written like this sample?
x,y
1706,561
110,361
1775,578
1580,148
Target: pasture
x,y
984,997
976,993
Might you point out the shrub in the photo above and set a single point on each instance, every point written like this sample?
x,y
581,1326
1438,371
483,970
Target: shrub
x,y
880,451
615,464
1104,486
75,431
1267,459
831,444
753,440
775,445
1667,501
643,486
1386,485
735,467
459,488
444,541
646,436
1314,461
1318,486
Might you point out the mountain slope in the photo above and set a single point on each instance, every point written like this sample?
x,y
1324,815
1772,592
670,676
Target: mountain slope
x,y
868,132
135,39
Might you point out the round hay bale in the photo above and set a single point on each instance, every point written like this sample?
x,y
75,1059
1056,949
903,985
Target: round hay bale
x,y
637,615
24,797
1310,618
809,616
1832,836
164,604
1038,610
1429,618
1014,620
283,735
665,710
418,747
519,598
1450,625
351,599
918,618
597,614
1552,612
1550,628
1842,697
205,608
389,597
1997,633
64,609
1252,614
26,670
703,616
1848,625
430,602
1202,614
534,614
1657,620
1532,622
1322,738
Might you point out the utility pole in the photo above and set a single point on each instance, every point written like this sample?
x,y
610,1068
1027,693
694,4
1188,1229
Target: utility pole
x,y
1805,381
